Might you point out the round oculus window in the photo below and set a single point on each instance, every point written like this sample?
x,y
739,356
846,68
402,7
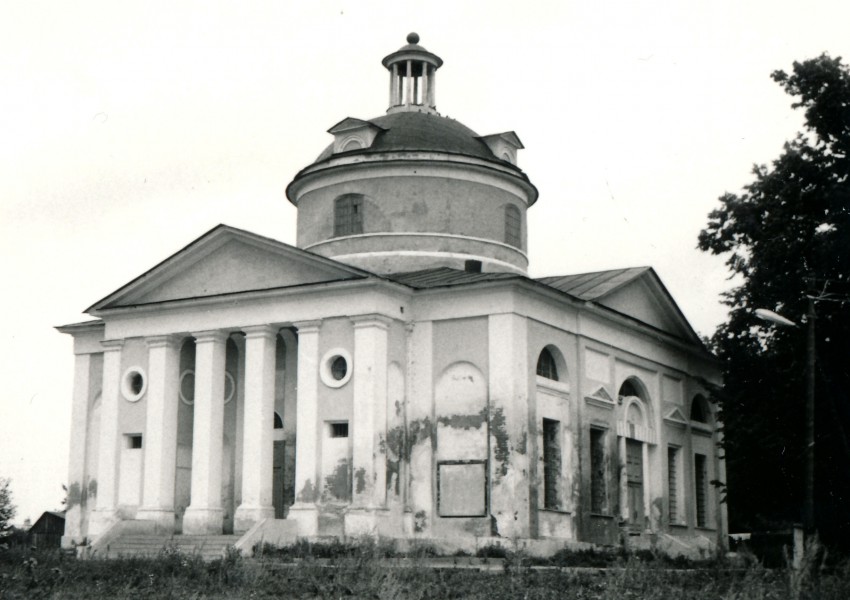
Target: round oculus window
x,y
335,368
134,384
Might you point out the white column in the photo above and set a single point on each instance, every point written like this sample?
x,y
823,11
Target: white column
x,y
107,467
369,427
204,514
257,453
77,452
304,511
509,380
409,81
160,443
432,81
424,83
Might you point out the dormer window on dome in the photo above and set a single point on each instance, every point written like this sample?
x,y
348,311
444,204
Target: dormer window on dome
x,y
413,73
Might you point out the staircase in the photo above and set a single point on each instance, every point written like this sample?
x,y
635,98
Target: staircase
x,y
208,547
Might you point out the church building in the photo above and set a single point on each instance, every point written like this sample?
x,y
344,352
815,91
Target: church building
x,y
397,372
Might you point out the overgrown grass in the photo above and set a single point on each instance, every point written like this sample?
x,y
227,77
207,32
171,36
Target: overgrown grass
x,y
375,570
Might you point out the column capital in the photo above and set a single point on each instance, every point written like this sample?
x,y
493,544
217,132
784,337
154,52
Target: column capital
x,y
371,320
215,335
159,341
260,331
112,345
308,326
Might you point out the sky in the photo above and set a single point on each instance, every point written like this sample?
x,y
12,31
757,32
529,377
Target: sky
x,y
129,129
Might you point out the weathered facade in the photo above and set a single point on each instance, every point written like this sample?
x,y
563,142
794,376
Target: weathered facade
x,y
397,373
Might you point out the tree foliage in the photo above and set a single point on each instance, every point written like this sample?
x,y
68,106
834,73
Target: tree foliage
x,y
7,509
786,236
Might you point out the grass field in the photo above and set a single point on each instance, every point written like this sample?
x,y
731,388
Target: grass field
x,y
366,571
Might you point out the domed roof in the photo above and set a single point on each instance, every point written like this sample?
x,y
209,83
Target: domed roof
x,y
415,131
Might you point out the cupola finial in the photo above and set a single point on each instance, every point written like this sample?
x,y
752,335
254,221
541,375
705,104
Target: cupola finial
x,y
412,77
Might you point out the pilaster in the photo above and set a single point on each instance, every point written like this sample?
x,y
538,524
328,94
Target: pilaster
x,y
420,427
204,514
258,425
161,432
509,428
369,460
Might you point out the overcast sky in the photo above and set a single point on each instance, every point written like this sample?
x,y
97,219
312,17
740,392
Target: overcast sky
x,y
128,129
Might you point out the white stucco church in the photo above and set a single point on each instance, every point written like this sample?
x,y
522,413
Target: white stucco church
x,y
397,372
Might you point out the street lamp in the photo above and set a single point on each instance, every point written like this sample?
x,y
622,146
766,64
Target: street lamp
x,y
809,497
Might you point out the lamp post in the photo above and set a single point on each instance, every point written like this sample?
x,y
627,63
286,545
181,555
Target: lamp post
x,y
809,496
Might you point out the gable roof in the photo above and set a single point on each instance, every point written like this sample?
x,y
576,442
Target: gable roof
x,y
636,292
227,260
591,286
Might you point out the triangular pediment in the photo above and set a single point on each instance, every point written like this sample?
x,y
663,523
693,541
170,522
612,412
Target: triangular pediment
x,y
600,398
645,299
225,261
675,416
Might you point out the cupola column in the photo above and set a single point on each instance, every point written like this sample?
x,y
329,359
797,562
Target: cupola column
x,y
412,70
409,83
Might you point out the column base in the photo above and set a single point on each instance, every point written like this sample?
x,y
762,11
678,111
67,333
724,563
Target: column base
x,y
100,520
203,521
162,518
248,516
364,521
307,516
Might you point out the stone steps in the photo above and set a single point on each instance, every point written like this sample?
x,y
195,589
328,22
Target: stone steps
x,y
208,547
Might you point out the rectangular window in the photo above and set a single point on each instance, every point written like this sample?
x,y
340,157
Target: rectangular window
x,y
339,430
134,441
598,484
701,477
673,484
513,226
348,215
551,463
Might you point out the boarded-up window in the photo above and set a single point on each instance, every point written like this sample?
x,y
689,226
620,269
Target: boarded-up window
x,y
701,475
348,215
551,463
462,488
672,484
598,487
513,226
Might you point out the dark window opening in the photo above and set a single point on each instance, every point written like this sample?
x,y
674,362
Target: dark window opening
x,y
278,422
348,215
134,441
513,226
628,389
699,410
339,430
339,367
701,474
551,463
598,491
136,383
546,365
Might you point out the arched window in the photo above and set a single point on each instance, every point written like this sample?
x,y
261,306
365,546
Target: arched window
x,y
348,215
699,410
628,389
513,226
278,422
352,144
546,366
